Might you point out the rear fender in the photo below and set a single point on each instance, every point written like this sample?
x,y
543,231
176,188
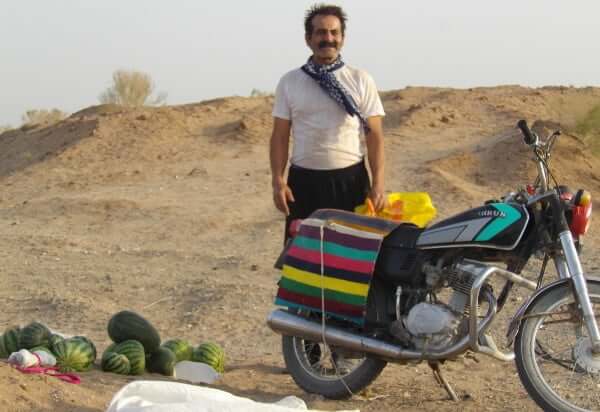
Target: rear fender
x,y
515,323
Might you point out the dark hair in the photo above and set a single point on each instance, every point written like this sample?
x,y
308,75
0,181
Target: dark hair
x,y
324,10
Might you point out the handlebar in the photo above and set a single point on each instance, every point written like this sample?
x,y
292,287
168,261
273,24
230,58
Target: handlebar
x,y
527,135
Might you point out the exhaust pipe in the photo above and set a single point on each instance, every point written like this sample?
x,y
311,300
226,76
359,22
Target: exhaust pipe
x,y
286,323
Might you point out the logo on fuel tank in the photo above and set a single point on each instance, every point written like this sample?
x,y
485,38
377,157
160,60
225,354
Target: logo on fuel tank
x,y
491,213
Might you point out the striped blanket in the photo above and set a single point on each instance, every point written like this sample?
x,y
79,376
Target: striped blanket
x,y
330,263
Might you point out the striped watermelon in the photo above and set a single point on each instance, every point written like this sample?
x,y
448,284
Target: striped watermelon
x,y
3,353
115,363
73,355
180,347
134,351
89,342
10,341
34,334
53,340
162,361
110,348
211,354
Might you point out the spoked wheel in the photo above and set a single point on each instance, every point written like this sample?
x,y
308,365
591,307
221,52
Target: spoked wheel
x,y
553,352
329,371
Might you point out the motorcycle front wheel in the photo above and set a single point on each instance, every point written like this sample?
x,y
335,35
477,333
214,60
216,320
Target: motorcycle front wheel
x,y
553,352
326,370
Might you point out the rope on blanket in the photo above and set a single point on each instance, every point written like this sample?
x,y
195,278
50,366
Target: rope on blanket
x,y
328,350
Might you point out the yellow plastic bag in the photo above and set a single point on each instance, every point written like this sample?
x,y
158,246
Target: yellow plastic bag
x,y
411,207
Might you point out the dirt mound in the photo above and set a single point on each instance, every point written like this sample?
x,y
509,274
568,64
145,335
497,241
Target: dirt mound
x,y
507,164
167,211
122,139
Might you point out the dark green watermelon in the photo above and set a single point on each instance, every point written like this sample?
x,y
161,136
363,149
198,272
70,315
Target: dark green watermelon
x,y
162,361
35,334
128,325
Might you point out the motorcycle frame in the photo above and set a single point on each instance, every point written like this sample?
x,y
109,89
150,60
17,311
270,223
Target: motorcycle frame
x,y
568,266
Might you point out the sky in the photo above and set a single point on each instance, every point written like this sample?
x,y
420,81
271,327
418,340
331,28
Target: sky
x,y
62,53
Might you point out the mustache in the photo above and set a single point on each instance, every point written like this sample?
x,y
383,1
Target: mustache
x,y
324,44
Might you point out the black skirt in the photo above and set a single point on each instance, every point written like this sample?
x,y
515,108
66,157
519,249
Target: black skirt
x,y
342,189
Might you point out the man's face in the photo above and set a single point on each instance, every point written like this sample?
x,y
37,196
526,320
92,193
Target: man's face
x,y
326,39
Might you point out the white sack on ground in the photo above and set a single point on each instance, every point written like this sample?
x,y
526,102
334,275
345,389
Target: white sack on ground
x,y
160,396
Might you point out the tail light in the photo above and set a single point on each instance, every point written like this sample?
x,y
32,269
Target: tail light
x,y
581,213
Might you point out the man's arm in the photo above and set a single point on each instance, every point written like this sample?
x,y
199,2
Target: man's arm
x,y
376,157
279,146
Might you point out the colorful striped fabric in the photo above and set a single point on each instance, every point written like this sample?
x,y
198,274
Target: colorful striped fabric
x,y
330,263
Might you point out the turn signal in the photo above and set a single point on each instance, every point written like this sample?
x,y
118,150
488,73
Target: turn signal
x,y
585,198
582,213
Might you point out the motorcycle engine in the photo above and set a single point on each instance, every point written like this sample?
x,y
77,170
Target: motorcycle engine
x,y
432,326
437,325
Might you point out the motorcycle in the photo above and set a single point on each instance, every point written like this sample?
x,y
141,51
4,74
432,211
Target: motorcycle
x,y
430,298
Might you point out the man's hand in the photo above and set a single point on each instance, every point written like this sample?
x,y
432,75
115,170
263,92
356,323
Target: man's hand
x,y
282,194
378,198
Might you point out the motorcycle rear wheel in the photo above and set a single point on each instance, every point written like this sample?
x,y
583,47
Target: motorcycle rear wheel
x,y
328,371
553,352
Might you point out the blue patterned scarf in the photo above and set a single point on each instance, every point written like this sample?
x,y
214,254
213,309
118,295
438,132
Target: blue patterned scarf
x,y
323,74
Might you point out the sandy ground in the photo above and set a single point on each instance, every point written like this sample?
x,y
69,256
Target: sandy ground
x,y
168,212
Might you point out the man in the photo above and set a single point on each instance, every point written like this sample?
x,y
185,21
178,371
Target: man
x,y
327,107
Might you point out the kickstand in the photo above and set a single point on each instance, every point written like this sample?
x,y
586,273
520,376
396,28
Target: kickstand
x,y
441,380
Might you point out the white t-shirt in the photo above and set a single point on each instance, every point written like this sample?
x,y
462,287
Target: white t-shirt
x,y
325,135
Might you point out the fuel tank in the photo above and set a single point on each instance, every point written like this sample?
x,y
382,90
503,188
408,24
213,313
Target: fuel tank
x,y
495,225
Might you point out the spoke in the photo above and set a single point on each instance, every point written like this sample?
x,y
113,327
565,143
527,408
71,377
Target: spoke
x,y
549,358
558,336
571,375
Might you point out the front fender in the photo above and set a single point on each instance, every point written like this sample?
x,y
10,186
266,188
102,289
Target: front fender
x,y
515,323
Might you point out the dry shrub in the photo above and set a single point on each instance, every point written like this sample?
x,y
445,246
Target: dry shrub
x,y
131,88
259,93
42,117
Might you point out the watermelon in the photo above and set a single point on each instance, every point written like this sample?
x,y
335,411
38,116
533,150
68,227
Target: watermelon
x,y
211,354
128,325
73,355
162,361
89,342
10,341
134,351
115,363
3,353
34,334
181,348
54,338
41,348
110,348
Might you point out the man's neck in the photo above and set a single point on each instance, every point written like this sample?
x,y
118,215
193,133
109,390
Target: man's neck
x,y
321,62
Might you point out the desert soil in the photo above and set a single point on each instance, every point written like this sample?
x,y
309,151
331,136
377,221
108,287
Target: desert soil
x,y
167,211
